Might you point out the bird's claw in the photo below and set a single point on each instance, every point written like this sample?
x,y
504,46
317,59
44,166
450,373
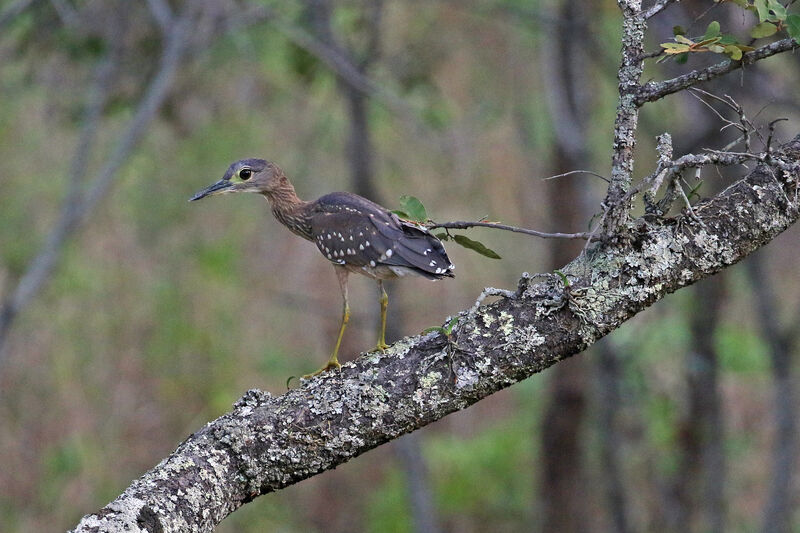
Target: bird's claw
x,y
381,346
330,365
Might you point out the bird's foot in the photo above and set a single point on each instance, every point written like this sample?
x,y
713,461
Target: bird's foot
x,y
333,364
381,346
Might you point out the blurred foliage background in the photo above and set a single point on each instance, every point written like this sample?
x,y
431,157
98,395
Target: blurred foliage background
x,y
158,314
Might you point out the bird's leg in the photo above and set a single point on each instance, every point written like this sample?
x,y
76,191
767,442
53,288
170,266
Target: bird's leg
x,y
333,362
384,305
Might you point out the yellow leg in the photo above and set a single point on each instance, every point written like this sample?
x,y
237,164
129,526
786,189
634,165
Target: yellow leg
x,y
384,305
333,361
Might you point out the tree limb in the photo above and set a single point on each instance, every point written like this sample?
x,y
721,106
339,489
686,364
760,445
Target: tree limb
x,y
656,90
627,116
267,443
658,7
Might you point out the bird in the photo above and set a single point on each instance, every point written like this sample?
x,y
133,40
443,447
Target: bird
x,y
353,233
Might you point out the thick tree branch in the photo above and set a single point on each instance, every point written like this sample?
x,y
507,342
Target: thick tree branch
x,y
656,90
267,443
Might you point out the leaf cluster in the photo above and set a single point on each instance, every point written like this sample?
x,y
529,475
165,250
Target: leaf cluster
x,y
773,17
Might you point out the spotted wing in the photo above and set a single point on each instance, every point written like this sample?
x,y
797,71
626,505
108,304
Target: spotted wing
x,y
349,229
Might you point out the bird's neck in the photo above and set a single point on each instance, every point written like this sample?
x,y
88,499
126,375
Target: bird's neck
x,y
288,208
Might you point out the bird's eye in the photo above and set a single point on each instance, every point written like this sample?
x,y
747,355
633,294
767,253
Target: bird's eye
x,y
245,174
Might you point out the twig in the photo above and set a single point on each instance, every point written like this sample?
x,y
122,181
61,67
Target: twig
x,y
652,91
485,293
506,227
571,172
658,7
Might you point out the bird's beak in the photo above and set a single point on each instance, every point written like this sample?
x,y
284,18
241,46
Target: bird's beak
x,y
217,188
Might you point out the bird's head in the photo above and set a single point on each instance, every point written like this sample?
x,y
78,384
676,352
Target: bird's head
x,y
245,175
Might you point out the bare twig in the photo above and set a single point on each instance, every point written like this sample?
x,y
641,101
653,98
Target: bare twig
x,y
571,172
506,227
658,7
656,90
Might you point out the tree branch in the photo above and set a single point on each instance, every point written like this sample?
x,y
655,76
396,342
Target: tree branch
x,y
657,8
627,116
267,443
497,225
656,90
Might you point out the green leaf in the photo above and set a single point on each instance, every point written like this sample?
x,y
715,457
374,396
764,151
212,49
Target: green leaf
x,y
734,52
674,48
678,30
401,214
764,29
442,236
475,246
762,9
564,278
708,42
712,30
717,49
778,9
793,27
681,59
414,208
684,40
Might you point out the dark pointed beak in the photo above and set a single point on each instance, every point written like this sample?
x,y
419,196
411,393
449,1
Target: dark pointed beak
x,y
216,188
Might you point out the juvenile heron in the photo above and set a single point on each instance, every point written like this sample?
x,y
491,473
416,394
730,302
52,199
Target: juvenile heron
x,y
353,233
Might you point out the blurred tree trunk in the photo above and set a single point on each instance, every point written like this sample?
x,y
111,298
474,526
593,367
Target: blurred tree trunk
x,y
781,343
610,440
361,157
563,485
699,484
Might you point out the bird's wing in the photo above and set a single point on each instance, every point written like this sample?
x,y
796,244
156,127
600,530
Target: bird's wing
x,y
350,229
346,238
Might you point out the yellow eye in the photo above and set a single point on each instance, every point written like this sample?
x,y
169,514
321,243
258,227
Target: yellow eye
x,y
245,174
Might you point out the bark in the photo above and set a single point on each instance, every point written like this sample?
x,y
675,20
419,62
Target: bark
x,y
267,443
